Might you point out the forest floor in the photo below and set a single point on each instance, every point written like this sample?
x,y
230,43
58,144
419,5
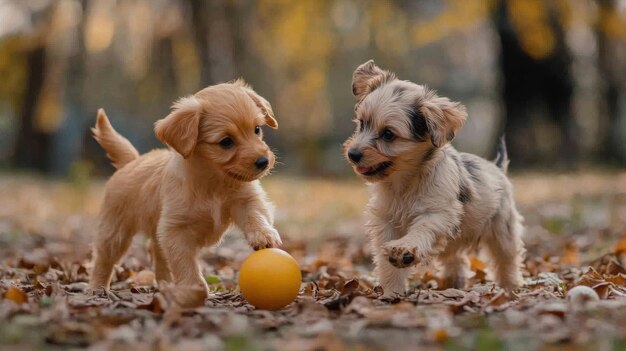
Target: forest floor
x,y
576,230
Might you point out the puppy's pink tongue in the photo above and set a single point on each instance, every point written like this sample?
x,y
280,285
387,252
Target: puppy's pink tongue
x,y
363,170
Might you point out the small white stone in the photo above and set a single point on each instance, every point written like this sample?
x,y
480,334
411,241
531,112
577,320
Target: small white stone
x,y
579,296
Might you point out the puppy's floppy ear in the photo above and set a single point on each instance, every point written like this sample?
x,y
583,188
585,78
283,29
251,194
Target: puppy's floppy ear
x,y
366,78
265,107
179,129
443,117
261,103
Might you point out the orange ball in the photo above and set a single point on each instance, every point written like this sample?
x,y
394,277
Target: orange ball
x,y
270,279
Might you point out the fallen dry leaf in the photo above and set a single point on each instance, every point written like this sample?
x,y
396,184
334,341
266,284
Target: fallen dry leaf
x,y
602,289
16,295
477,264
340,306
570,254
620,247
440,335
499,299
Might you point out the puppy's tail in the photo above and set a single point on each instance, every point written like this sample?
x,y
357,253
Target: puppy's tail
x,y
119,149
502,157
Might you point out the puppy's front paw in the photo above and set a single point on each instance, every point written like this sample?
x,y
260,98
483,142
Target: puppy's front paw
x,y
401,255
264,238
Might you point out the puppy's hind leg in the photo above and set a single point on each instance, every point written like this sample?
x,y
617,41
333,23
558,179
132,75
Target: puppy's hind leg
x,y
504,245
110,245
161,269
183,246
455,267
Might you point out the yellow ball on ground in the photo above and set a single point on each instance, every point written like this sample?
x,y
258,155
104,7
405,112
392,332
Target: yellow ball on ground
x,y
270,279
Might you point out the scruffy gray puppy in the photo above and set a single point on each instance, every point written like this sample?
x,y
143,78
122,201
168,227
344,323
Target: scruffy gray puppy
x,y
428,201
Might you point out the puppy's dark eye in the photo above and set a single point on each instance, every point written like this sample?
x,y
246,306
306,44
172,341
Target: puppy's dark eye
x,y
387,135
227,143
257,130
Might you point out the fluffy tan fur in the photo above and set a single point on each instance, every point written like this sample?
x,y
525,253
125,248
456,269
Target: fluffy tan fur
x,y
185,198
428,201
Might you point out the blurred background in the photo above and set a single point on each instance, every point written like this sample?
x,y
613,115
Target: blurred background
x,y
549,74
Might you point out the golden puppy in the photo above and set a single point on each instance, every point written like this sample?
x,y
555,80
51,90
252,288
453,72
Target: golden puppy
x,y
428,201
186,197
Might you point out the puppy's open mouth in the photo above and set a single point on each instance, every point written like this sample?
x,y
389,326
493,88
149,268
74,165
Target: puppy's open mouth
x,y
375,170
240,177
245,177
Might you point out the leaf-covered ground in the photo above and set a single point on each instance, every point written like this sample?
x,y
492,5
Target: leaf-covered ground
x,y
576,227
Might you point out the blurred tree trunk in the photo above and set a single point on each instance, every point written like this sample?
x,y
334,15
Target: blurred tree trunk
x,y
612,71
70,140
31,148
235,17
200,22
162,68
533,83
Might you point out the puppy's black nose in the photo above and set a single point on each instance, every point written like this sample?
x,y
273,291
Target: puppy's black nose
x,y
261,163
354,155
